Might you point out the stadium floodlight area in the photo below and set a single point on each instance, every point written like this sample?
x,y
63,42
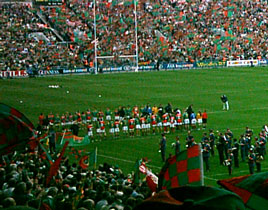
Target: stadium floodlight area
x,y
121,55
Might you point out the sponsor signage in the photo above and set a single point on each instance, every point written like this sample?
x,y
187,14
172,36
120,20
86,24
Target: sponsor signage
x,y
70,71
207,64
176,66
6,74
243,63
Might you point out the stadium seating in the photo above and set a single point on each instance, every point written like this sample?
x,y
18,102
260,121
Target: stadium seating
x,y
167,31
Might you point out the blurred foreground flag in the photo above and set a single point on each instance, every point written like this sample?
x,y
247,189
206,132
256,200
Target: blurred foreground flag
x,y
16,130
186,168
253,189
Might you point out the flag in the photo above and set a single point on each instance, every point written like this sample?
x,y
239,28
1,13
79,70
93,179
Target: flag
x,y
251,188
182,169
15,130
55,166
193,197
73,139
89,159
151,178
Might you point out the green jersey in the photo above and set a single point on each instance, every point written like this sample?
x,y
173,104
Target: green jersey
x,y
95,113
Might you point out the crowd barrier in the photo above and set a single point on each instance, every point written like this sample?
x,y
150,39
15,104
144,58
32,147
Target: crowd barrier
x,y
142,67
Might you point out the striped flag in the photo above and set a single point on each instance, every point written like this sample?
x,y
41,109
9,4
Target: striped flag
x,y
16,130
182,169
251,188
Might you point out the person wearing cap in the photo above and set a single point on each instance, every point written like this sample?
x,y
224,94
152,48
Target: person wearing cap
x,y
251,160
206,153
229,161
212,141
225,102
236,152
220,148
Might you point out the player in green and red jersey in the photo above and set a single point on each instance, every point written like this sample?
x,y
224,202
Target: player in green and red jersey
x,y
153,122
172,122
70,118
135,111
125,125
100,116
128,112
116,114
131,125
143,125
51,118
178,120
95,115
88,115
165,120
90,132
111,128
117,128
138,126
159,124
148,124
63,119
186,120
102,129
57,120
84,118
79,119
108,114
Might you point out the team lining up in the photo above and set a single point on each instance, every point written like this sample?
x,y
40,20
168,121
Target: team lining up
x,y
141,120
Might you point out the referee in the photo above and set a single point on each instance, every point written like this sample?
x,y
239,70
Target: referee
x,y
224,100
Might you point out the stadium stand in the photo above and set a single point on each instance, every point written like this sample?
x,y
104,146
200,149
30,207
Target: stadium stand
x,y
170,31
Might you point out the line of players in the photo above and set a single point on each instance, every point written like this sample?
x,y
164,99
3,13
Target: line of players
x,y
131,121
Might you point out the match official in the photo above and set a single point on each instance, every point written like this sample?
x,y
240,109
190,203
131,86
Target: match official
x,y
225,102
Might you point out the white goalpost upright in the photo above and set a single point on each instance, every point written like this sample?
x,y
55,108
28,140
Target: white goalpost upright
x,y
136,55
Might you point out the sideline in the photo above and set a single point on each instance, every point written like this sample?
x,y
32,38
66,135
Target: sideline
x,y
157,167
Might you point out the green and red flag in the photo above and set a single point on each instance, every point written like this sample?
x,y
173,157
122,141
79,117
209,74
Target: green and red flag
x,y
16,130
194,198
182,169
55,166
90,159
253,189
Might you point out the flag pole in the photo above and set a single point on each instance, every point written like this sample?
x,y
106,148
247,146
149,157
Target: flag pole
x,y
95,162
62,137
201,165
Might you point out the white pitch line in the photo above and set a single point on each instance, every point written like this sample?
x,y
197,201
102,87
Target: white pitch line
x,y
127,161
240,110
152,166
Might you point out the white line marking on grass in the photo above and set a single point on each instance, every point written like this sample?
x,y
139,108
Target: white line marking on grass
x,y
152,166
127,161
237,172
240,110
205,177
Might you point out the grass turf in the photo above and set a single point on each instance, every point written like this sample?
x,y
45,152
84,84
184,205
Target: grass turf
x,y
246,89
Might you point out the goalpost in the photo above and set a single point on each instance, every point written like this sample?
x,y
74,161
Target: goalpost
x,y
134,56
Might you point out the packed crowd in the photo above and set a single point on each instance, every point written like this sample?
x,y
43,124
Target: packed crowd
x,y
23,183
167,31
130,121
28,44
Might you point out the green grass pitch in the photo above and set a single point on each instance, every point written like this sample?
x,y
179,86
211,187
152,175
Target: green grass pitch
x,y
246,89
